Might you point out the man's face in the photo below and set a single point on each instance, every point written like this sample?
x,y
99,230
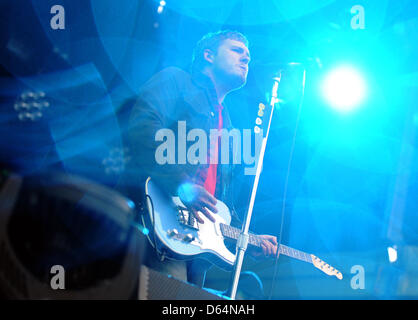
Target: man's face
x,y
230,63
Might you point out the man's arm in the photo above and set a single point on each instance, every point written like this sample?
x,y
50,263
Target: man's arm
x,y
154,110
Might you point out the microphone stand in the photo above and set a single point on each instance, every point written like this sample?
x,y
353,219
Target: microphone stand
x,y
242,241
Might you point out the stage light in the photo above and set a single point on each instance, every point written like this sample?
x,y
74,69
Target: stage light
x,y
29,105
344,88
141,228
393,254
116,160
160,9
54,218
186,192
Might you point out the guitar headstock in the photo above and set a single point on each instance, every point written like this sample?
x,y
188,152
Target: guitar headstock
x,y
326,268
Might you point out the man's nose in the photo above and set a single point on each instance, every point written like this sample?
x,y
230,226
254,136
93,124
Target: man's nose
x,y
245,59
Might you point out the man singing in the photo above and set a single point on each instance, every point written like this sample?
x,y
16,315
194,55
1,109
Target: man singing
x,y
220,66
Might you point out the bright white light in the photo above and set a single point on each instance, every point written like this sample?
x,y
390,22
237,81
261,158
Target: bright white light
x,y
160,9
393,254
344,88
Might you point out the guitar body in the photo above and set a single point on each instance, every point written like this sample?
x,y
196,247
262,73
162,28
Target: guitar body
x,y
179,236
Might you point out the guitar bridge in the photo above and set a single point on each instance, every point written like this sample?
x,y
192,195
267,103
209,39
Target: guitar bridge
x,y
187,219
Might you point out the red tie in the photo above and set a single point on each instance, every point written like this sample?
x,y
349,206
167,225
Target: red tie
x,y
210,182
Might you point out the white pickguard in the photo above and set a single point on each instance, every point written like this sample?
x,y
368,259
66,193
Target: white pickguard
x,y
208,240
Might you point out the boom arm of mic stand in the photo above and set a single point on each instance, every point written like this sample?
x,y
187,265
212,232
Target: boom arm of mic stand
x,y
243,237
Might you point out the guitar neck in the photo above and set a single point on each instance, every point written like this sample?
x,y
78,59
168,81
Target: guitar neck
x,y
255,240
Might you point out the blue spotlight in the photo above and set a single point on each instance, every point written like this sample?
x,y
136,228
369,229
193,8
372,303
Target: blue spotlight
x,y
344,88
186,192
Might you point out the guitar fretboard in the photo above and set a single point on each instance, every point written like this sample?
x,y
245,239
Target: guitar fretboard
x,y
254,240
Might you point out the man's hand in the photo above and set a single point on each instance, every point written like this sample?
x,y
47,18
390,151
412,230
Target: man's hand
x,y
268,247
197,198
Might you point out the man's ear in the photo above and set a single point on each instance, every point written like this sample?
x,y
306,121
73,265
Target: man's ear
x,y
208,55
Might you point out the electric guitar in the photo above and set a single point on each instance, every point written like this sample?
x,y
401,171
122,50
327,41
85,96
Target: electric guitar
x,y
177,234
